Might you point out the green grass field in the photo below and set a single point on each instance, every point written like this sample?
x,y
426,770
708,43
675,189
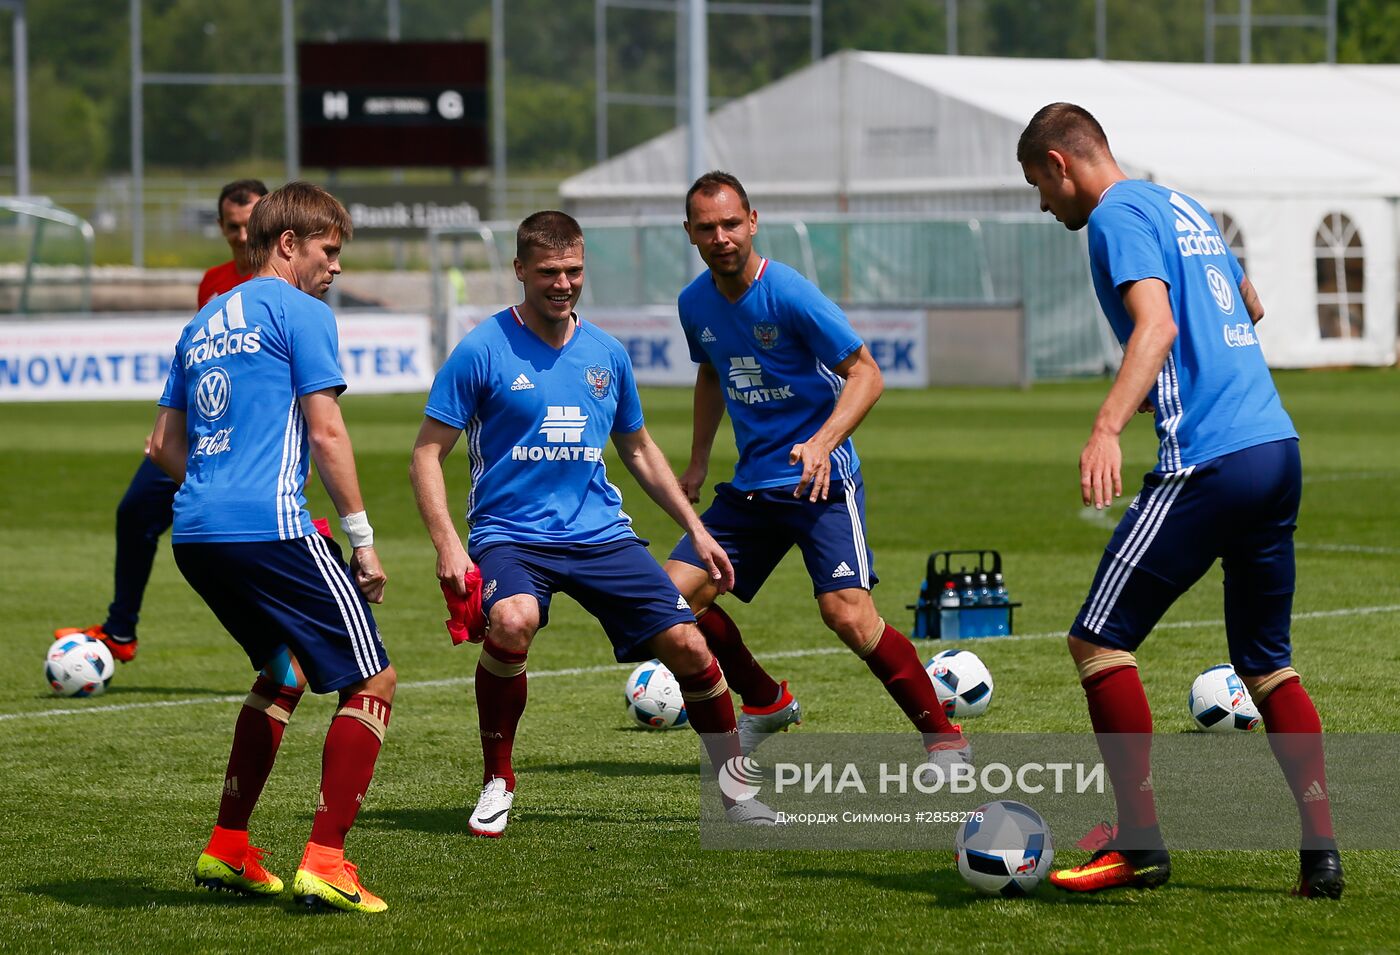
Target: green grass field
x,y
105,803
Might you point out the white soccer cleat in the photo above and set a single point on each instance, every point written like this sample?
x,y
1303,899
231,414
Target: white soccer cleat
x,y
756,724
751,812
951,754
492,810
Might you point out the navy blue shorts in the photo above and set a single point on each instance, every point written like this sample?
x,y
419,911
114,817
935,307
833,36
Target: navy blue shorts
x,y
619,583
757,528
1241,508
294,593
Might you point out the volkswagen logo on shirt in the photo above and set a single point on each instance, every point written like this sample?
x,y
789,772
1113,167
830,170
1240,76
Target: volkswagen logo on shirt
x,y
211,394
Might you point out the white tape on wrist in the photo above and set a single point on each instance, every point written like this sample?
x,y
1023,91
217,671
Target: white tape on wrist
x,y
356,527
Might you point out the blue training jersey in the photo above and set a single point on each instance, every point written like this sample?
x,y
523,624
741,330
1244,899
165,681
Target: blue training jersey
x,y
536,420
774,350
240,367
1214,394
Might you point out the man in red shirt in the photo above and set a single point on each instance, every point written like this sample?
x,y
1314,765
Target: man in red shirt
x,y
146,510
236,202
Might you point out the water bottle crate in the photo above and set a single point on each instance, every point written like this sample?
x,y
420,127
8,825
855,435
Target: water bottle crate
x,y
971,608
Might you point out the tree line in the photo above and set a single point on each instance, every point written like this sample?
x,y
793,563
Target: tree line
x,y
80,64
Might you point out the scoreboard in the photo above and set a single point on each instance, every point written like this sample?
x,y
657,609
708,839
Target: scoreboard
x,y
390,104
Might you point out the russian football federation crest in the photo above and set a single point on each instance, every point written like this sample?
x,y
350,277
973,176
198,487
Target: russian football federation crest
x,y
599,380
767,335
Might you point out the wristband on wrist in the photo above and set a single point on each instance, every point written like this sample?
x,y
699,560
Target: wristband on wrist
x,y
356,527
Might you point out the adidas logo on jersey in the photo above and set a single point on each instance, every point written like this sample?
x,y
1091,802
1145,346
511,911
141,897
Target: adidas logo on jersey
x,y
707,336
521,383
1201,237
843,569
224,335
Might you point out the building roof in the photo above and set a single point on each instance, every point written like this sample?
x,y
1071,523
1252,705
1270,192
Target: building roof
x,y
859,123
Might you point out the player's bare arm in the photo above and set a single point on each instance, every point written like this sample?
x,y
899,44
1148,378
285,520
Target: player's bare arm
x,y
169,444
335,463
864,385
1252,304
709,412
649,466
435,441
1154,331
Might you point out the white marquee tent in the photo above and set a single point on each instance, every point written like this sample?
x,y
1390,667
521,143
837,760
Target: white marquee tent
x,y
1300,163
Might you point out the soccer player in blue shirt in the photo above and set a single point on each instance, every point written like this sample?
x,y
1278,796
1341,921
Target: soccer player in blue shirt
x,y
1227,485
252,399
539,393
146,509
797,381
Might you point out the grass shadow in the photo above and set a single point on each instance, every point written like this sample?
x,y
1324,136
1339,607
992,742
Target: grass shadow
x,y
621,768
945,889
125,894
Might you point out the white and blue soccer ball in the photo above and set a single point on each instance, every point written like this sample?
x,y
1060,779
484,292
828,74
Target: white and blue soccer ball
x,y
78,666
1004,848
1220,703
653,697
962,681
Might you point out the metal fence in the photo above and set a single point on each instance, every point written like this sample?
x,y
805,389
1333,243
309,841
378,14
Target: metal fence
x,y
857,260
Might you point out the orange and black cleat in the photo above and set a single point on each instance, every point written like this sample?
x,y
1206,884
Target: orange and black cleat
x,y
1111,869
123,648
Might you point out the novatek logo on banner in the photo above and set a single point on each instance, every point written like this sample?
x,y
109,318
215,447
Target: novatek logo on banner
x,y
102,359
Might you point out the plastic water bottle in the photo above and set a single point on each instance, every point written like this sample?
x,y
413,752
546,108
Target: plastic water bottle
x,y
949,614
1001,619
968,599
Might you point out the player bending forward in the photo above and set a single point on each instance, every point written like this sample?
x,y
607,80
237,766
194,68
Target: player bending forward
x,y
797,381
1227,484
539,393
254,386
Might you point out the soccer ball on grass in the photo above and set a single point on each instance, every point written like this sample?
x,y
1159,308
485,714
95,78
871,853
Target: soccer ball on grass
x,y
1220,703
653,697
1004,848
962,681
78,666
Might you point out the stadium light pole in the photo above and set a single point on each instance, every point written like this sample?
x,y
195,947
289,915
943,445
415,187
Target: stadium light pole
x,y
498,109
21,65
138,171
699,59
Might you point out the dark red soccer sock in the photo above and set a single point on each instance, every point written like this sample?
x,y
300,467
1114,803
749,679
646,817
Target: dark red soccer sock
x,y
743,673
1295,735
1123,724
256,737
347,766
710,710
895,663
500,700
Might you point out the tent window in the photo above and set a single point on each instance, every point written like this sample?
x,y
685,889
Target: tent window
x,y
1231,232
1340,278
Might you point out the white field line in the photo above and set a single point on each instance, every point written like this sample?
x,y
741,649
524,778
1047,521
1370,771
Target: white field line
x,y
1346,548
618,667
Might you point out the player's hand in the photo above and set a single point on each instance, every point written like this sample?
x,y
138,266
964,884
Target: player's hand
x,y
147,452
1147,407
453,564
369,576
816,469
692,480
1101,470
717,563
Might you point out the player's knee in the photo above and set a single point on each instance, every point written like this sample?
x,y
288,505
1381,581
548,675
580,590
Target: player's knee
x,y
682,648
851,621
693,583
513,626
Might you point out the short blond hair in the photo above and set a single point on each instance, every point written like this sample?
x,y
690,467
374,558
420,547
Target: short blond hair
x,y
302,208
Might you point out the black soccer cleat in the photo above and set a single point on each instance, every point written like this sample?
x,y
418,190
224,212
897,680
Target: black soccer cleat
x,y
1319,875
